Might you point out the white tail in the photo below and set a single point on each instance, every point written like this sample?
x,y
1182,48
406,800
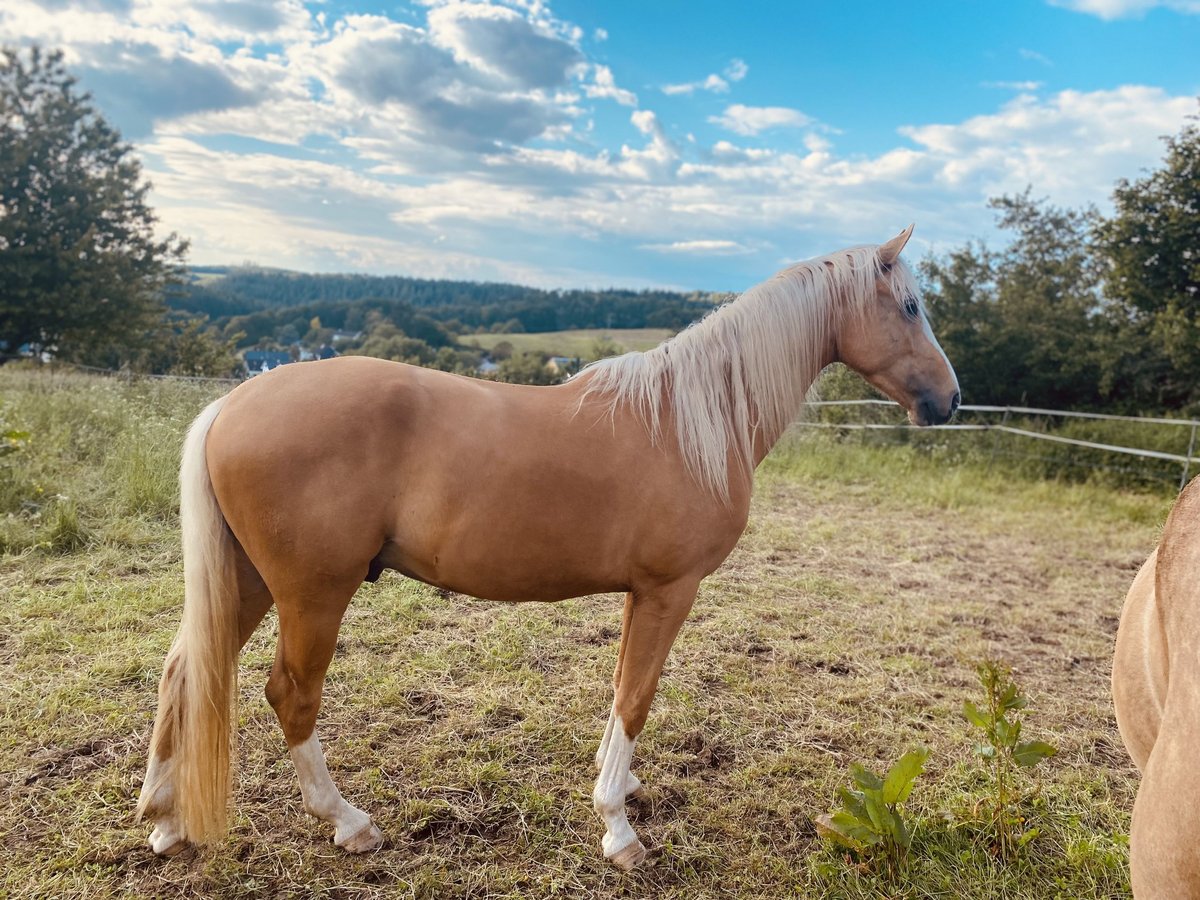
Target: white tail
x,y
197,697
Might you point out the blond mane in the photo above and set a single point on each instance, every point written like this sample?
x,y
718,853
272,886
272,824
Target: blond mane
x,y
749,363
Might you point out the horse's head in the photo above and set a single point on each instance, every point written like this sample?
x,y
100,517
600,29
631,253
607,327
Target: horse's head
x,y
889,342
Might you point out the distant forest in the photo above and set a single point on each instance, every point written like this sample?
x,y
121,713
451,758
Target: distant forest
x,y
413,320
244,294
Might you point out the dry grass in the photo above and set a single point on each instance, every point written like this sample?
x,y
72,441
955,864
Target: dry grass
x,y
842,629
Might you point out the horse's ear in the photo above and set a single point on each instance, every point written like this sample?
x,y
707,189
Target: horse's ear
x,y
890,252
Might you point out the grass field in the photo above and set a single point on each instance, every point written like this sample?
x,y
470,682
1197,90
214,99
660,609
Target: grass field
x,y
844,628
576,343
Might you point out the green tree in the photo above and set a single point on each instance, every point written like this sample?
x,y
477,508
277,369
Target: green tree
x,y
526,368
386,341
603,347
1023,325
960,293
186,345
81,271
1048,294
1152,242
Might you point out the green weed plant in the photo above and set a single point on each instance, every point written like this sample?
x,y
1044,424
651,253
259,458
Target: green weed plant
x,y
871,820
1003,753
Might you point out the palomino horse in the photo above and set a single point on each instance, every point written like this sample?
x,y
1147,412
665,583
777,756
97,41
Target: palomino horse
x,y
1156,693
634,476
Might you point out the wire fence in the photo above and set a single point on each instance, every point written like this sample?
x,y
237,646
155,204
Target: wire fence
x,y
1111,437
1104,436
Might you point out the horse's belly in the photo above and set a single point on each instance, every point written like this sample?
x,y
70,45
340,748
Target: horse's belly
x,y
491,569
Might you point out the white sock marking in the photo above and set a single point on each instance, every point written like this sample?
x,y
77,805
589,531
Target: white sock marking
x,y
631,783
321,796
608,730
608,797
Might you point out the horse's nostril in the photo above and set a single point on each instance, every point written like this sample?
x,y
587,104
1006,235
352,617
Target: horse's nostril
x,y
954,401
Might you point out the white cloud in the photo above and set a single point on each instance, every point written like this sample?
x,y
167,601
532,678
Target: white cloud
x,y
504,44
1121,9
600,34
706,247
1024,86
455,93
750,120
754,206
713,83
1033,55
166,24
1073,145
604,86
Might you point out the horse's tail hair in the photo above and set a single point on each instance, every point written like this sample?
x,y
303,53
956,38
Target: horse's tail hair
x,y
197,696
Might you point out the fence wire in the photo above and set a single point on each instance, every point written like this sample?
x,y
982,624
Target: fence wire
x,y
1031,418
1032,415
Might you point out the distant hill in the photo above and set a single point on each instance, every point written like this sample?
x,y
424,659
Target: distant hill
x,y
225,293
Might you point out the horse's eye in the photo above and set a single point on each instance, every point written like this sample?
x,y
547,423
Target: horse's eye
x,y
912,308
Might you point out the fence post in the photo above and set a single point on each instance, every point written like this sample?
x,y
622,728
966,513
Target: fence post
x,y
1187,463
996,439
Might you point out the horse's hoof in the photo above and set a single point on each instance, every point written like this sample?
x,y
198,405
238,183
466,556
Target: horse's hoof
x,y
629,857
166,843
363,841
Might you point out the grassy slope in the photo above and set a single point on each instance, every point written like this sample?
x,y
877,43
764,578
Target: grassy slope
x,y
577,342
842,629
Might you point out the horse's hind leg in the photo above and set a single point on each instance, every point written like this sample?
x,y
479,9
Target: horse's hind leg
x,y
166,839
653,618
308,627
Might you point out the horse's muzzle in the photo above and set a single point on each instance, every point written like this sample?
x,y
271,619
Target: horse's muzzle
x,y
932,410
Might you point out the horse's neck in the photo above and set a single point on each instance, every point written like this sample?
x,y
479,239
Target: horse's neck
x,y
765,437
766,434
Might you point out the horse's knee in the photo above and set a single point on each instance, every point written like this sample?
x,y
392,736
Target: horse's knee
x,y
295,706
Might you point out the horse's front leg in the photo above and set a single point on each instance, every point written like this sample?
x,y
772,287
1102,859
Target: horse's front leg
x,y
632,784
652,619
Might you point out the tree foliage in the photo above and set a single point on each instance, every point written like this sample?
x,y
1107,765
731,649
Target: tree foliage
x,y
1081,310
384,340
187,345
461,306
1152,244
1022,324
81,271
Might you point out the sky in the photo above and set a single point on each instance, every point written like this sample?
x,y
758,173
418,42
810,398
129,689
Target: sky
x,y
659,143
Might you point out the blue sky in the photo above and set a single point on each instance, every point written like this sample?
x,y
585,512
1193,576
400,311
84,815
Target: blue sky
x,y
683,144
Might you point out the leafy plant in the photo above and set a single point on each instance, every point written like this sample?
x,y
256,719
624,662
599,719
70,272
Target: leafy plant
x,y
871,817
1003,752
